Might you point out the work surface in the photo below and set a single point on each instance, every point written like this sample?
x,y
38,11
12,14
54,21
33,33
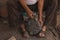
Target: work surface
x,y
6,32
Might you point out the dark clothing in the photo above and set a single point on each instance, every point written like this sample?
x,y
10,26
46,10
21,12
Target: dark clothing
x,y
34,7
51,13
50,8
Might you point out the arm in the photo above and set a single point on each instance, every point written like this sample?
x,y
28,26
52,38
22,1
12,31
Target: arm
x,y
40,9
24,5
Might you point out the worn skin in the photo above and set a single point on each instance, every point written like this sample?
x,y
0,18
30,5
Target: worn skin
x,y
30,14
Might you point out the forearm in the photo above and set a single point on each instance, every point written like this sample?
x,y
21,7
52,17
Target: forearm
x,y
24,5
40,7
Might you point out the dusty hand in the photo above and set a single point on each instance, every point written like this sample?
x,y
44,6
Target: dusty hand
x,y
31,14
40,20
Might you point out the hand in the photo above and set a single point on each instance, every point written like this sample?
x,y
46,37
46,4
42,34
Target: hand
x,y
40,20
31,14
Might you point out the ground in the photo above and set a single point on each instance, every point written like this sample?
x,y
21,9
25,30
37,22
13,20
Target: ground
x,y
6,33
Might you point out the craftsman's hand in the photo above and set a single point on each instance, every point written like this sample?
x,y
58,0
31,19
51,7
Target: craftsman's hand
x,y
31,14
40,19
